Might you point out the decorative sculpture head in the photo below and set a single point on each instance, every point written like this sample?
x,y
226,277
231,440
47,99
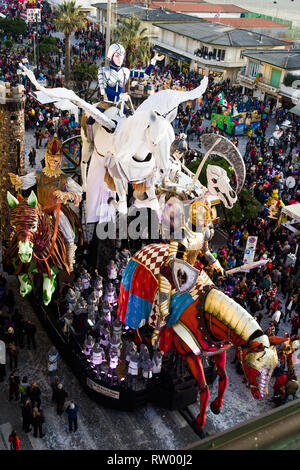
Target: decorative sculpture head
x,y
218,184
53,157
24,219
258,363
116,54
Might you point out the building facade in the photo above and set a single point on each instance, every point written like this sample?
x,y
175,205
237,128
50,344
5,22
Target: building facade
x,y
210,47
266,72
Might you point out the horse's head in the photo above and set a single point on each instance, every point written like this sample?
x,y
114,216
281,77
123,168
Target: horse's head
x,y
159,137
258,362
218,184
24,219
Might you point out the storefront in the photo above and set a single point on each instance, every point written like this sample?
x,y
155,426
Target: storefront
x,y
182,62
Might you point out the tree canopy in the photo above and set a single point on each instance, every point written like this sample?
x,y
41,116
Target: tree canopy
x,y
69,18
13,25
135,40
47,45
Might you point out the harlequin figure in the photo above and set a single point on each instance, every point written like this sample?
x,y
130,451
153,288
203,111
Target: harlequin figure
x,y
89,344
80,315
71,300
111,295
98,283
130,349
115,343
98,355
104,336
53,187
113,358
106,311
157,361
144,353
93,303
86,279
117,328
147,367
112,272
133,369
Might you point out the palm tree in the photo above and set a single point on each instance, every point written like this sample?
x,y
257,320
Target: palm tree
x,y
68,19
134,39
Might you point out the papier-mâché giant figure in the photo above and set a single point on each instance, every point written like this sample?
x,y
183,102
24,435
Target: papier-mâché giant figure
x,y
137,152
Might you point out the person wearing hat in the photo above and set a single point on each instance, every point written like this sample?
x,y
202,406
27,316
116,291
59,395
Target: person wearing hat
x,y
113,78
72,411
53,187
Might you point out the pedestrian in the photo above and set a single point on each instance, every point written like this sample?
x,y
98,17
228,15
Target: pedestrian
x,y
60,396
32,156
37,422
26,409
14,440
2,360
291,386
53,359
72,410
24,389
35,395
276,320
13,386
30,331
13,355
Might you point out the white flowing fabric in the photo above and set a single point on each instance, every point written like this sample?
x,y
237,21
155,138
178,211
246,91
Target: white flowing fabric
x,y
97,207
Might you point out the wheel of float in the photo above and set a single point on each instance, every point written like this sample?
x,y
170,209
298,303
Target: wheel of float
x,y
71,158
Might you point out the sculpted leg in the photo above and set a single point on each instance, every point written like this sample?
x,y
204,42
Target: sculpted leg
x,y
49,285
26,285
220,361
195,365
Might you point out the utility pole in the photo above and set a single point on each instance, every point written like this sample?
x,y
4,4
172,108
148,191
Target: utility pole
x,y
37,42
108,30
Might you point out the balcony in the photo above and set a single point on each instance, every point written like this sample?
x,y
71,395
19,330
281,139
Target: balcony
x,y
245,80
207,63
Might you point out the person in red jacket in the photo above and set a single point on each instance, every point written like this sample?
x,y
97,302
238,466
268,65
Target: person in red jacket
x,y
14,440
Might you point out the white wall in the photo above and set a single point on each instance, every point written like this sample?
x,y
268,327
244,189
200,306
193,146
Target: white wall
x,y
212,15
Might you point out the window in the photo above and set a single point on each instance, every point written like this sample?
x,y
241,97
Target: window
x,y
253,68
219,54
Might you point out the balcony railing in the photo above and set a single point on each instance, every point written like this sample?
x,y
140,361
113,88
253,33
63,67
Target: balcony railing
x,y
243,78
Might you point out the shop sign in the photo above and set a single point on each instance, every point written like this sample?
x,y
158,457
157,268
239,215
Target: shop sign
x,y
33,14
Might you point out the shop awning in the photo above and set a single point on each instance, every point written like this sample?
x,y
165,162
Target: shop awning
x,y
171,53
292,211
295,110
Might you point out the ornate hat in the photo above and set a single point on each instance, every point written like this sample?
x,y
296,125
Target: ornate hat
x,y
54,146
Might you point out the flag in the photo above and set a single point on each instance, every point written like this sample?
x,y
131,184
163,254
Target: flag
x,y
222,100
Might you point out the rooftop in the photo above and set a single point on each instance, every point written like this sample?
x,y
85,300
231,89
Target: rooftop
x,y
288,60
148,14
246,23
199,7
222,35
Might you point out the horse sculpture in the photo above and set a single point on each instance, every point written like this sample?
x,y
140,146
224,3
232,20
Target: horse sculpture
x,y
37,245
132,150
202,322
137,153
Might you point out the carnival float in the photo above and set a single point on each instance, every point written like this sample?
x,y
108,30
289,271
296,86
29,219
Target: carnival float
x,y
131,331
